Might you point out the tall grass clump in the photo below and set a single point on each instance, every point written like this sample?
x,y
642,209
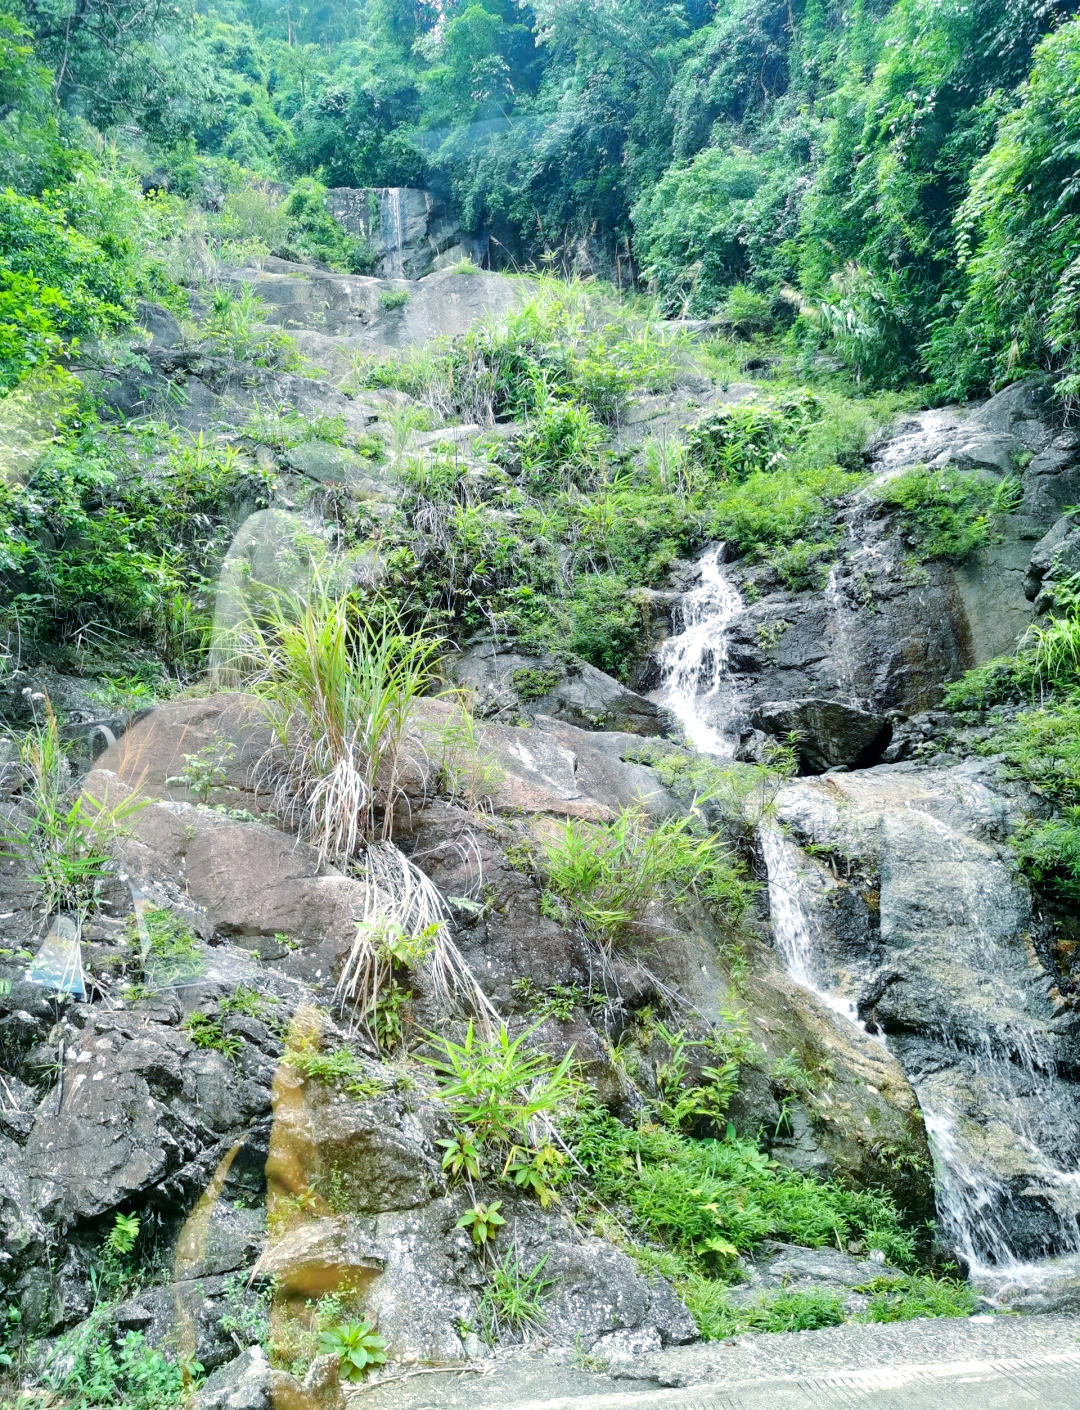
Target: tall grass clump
x,y
336,679
63,835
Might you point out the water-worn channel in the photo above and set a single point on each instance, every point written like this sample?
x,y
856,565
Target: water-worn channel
x,y
990,1085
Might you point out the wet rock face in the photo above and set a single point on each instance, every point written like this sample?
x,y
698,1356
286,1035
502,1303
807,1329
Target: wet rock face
x,y
830,732
512,687
886,634
409,231
921,920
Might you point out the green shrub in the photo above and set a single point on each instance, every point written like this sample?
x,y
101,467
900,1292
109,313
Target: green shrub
x,y
733,442
55,284
393,298
173,952
545,349
1043,747
747,311
606,626
774,508
313,233
206,1032
90,1369
992,683
356,1345
236,328
800,566
607,873
947,513
505,1096
918,1295
1018,230
559,447
532,682
483,1221
1049,852
113,537
718,1318
707,1199
688,228
65,837
124,1232
338,1068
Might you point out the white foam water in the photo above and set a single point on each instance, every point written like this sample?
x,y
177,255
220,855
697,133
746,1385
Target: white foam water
x,y
790,926
695,661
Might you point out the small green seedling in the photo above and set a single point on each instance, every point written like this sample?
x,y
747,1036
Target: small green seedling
x,y
358,1346
483,1220
124,1232
461,1155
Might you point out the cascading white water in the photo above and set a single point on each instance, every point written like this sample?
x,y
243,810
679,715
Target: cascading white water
x,y
791,929
842,652
392,231
978,1213
695,661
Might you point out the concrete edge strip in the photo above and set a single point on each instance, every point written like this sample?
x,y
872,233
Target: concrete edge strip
x,y
876,1378
886,1377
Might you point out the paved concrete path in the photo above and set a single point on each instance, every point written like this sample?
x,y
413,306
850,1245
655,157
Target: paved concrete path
x,y
993,1364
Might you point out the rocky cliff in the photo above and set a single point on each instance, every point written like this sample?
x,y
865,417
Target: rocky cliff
x,y
885,976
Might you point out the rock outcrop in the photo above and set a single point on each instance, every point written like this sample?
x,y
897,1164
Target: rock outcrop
x,y
409,232
918,917
886,634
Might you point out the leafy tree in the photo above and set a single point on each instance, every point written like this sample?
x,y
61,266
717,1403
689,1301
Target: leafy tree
x,y
1019,232
689,228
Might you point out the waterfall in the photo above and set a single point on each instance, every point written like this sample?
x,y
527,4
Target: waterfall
x,y
843,654
978,1213
392,232
997,1093
790,926
695,661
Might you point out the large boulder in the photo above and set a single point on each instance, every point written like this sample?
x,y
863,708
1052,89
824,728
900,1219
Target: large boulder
x,y
242,1384
138,1102
1056,556
830,733
511,686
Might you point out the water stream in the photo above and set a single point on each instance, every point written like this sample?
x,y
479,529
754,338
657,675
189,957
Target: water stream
x,y
1011,1079
696,685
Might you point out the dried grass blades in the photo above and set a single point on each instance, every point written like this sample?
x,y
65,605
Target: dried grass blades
x,y
399,898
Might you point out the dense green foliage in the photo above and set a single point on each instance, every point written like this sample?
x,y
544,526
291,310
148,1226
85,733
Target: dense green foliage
x,y
896,182
947,513
708,1199
1031,704
107,546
